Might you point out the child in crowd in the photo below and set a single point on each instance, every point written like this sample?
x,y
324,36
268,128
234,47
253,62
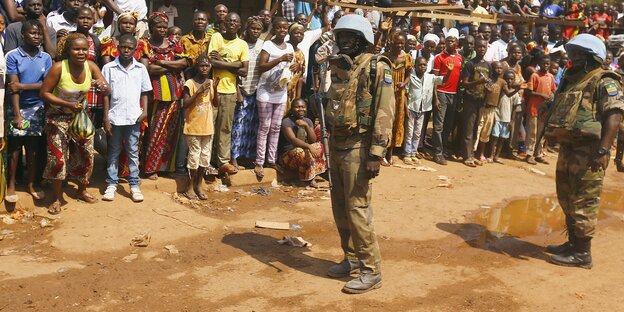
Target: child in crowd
x,y
26,67
199,98
420,95
540,87
502,116
492,99
130,84
174,32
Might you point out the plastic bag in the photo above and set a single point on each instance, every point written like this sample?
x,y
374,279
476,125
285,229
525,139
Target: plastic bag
x,y
81,128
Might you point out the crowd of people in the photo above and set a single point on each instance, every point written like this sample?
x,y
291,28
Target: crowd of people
x,y
234,92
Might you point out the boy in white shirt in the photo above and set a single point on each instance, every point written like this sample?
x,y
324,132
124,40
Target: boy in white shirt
x,y
124,111
419,101
502,116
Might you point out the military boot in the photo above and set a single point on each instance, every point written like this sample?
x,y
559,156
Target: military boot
x,y
367,281
559,249
578,256
343,269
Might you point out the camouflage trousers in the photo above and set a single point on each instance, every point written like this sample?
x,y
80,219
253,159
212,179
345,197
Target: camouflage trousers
x,y
351,204
578,188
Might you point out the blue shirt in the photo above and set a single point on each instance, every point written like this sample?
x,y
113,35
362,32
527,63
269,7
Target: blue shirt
x,y
307,8
552,10
30,70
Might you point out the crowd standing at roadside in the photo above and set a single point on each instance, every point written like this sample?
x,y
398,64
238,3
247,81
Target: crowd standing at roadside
x,y
480,86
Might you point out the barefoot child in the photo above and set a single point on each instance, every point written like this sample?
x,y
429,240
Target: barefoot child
x,y
26,67
124,111
502,116
540,87
199,99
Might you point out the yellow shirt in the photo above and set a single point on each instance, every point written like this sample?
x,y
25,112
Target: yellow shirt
x,y
232,51
198,118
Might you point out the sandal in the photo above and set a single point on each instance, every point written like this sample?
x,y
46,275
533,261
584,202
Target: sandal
x,y
87,198
191,196
202,196
38,195
55,208
384,162
153,176
259,171
11,198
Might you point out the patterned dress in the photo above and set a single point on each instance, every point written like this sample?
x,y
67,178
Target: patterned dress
x,y
67,157
164,113
296,160
398,76
292,85
245,124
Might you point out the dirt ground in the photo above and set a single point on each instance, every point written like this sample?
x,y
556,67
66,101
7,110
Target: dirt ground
x,y
458,239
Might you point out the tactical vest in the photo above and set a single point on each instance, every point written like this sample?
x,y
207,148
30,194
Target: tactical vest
x,y
350,98
574,111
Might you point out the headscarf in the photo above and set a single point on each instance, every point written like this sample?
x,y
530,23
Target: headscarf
x,y
253,20
294,26
431,37
156,17
132,14
411,37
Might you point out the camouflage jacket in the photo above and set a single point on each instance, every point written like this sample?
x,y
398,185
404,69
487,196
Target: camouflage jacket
x,y
376,133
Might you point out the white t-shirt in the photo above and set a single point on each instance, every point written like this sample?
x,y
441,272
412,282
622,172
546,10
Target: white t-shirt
x,y
133,5
496,51
59,22
268,87
171,11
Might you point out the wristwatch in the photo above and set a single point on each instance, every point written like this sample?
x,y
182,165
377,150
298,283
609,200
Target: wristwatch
x,y
602,151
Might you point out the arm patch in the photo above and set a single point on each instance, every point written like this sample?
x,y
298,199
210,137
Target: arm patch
x,y
387,76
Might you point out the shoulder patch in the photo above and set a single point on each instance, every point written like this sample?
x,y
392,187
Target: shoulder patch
x,y
387,76
611,89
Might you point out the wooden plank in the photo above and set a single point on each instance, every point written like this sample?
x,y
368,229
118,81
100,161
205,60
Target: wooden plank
x,y
454,17
537,20
396,8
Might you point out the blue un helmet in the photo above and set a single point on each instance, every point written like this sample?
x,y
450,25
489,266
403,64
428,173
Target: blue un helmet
x,y
590,44
357,24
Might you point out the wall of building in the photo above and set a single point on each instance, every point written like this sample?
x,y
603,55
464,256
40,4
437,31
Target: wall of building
x,y
186,7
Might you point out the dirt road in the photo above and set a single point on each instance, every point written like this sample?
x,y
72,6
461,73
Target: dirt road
x,y
458,239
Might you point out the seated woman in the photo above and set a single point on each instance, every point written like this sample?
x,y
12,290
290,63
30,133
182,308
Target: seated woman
x,y
300,153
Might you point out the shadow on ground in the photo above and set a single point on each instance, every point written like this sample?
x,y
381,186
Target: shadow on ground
x,y
265,249
478,236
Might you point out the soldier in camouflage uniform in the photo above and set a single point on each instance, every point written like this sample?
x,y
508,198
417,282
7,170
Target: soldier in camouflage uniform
x,y
585,118
360,111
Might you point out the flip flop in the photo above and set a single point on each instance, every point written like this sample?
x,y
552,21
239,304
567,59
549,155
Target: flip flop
x,y
55,208
202,196
11,198
259,172
190,196
38,195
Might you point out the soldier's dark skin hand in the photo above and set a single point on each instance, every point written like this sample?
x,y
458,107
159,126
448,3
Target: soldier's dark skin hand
x,y
610,128
373,164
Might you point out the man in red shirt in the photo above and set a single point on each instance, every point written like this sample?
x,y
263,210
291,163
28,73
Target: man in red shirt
x,y
601,21
444,110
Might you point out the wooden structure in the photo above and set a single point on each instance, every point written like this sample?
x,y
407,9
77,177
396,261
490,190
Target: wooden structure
x,y
448,12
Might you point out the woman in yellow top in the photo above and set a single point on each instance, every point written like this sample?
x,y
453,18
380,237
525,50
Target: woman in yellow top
x,y
63,89
401,68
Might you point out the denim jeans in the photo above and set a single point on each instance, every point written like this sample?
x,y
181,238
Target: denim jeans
x,y
129,134
412,133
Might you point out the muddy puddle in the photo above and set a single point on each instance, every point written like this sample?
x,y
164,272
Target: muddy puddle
x,y
536,216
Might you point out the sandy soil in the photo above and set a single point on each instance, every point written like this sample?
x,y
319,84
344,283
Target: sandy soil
x,y
454,248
